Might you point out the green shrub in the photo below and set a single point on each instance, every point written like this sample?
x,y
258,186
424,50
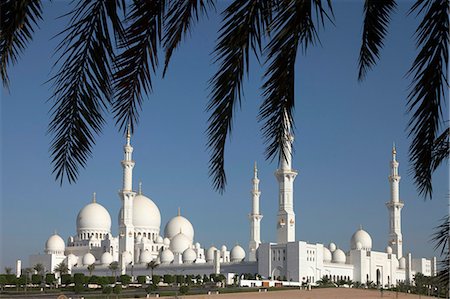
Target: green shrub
x,y
66,279
78,278
184,290
50,278
117,289
142,279
78,288
107,290
125,279
156,279
111,279
151,288
168,278
36,279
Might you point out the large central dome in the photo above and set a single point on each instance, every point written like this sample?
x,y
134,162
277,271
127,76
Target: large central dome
x,y
146,215
93,218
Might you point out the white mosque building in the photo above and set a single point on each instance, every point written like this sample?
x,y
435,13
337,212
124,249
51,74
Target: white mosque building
x,y
140,241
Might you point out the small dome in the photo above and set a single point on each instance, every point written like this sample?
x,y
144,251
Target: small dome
x,y
146,215
339,256
189,256
166,256
72,260
209,255
361,236
389,250
106,258
402,263
160,240
197,245
223,248
326,255
166,241
126,257
145,257
88,259
93,217
180,243
55,245
237,254
179,224
332,247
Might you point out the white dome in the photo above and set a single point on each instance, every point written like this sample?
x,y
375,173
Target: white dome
x,y
339,256
332,247
209,255
145,257
326,255
160,240
189,256
166,256
223,248
389,250
146,215
179,224
180,243
93,218
55,245
359,245
72,260
402,263
126,257
237,254
166,241
106,258
361,236
197,245
88,259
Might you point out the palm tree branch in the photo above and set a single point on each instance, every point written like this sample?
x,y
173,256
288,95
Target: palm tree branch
x,y
428,89
82,86
294,27
377,15
137,60
243,28
19,19
182,14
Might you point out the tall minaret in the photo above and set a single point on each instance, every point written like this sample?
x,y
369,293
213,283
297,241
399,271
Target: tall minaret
x,y
255,218
286,176
395,208
126,234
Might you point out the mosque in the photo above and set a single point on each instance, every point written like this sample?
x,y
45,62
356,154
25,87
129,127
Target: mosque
x,y
140,241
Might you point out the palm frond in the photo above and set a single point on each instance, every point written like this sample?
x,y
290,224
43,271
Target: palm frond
x,y
19,19
441,149
441,241
182,14
137,61
377,15
294,27
244,26
429,84
82,86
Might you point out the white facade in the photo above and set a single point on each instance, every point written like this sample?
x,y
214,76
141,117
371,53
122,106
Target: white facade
x,y
140,240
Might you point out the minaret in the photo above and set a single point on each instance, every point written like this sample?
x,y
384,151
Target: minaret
x,y
126,235
255,218
395,208
286,176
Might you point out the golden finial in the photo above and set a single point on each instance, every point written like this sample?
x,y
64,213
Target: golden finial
x,y
140,188
179,211
94,199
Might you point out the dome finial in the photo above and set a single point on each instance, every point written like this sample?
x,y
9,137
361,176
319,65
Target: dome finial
x,y
140,188
255,170
94,199
360,227
179,211
55,232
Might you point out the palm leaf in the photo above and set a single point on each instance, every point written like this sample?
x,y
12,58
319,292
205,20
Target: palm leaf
x,y
19,19
82,86
243,28
429,83
294,27
441,241
441,149
376,20
182,14
137,61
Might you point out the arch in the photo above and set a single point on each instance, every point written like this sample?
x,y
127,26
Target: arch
x,y
277,272
378,277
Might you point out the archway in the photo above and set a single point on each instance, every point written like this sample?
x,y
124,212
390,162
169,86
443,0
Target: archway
x,y
378,277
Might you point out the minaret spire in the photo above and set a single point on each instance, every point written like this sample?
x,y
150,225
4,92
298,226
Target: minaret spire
x,y
126,235
286,176
395,207
255,217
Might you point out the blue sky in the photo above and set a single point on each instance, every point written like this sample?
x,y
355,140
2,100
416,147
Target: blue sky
x,y
344,133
